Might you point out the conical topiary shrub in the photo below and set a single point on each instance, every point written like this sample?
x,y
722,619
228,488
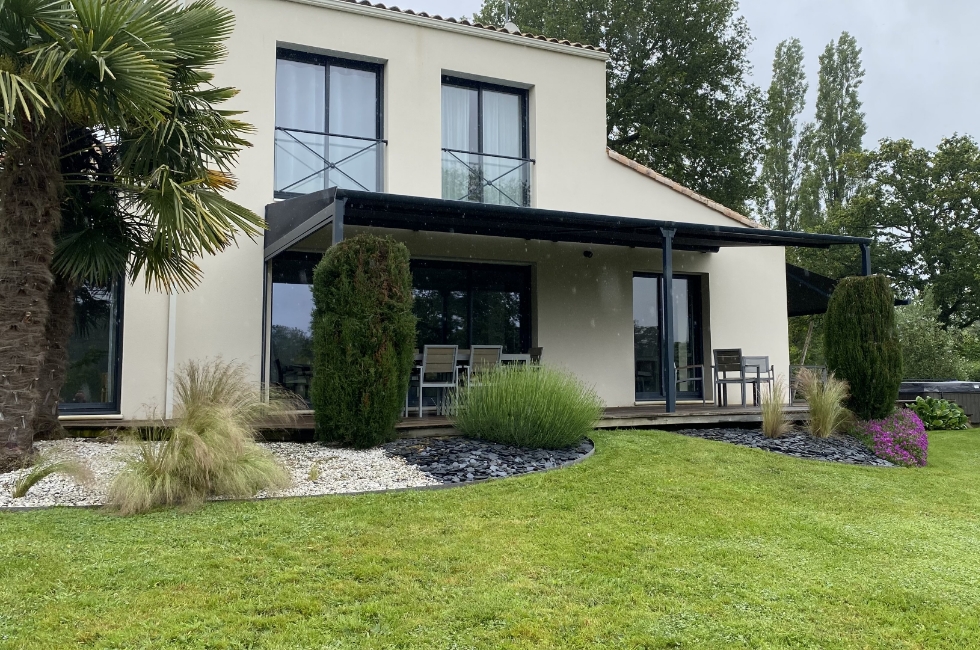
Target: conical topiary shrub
x,y
862,346
363,340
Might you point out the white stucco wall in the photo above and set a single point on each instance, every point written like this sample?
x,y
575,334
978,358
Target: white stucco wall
x,y
584,307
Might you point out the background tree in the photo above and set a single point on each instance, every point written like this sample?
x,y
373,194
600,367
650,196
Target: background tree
x,y
782,157
89,87
679,98
923,209
838,131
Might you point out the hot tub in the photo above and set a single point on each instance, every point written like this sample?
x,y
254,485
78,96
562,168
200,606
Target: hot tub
x,y
964,393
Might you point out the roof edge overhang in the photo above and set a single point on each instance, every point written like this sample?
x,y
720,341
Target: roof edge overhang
x,y
292,220
451,25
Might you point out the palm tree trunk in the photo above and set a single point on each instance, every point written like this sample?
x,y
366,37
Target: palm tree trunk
x,y
57,334
30,215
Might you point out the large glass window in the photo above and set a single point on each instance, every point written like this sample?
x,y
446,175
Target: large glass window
x,y
291,337
649,334
484,143
328,124
472,304
94,352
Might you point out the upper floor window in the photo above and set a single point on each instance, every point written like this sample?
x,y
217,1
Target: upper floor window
x,y
485,143
328,124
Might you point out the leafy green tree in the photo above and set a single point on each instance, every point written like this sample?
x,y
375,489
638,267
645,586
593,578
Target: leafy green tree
x,y
839,130
679,98
928,350
782,157
923,209
119,89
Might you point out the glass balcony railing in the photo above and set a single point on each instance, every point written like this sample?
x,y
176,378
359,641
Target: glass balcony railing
x,y
308,161
485,178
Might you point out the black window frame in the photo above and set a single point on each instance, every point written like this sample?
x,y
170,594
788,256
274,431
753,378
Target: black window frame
x,y
327,61
481,86
527,296
114,406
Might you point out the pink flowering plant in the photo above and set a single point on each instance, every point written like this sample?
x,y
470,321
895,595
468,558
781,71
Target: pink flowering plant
x,y
900,438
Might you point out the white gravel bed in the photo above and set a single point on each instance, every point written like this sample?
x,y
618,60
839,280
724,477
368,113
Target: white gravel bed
x,y
336,471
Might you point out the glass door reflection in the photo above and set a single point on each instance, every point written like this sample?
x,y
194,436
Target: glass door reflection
x,y
650,374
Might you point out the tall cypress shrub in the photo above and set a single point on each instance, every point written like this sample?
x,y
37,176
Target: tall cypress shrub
x,y
363,340
862,346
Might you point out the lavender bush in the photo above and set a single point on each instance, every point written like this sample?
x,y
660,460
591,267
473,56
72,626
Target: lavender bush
x,y
900,438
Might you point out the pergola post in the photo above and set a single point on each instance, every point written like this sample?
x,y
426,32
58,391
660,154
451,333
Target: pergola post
x,y
669,374
865,259
338,220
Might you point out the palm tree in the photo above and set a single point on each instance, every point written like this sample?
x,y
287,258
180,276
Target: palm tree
x,y
114,159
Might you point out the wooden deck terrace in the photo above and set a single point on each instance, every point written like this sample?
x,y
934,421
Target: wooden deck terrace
x,y
627,417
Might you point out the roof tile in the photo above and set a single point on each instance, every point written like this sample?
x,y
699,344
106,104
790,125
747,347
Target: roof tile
x,y
464,21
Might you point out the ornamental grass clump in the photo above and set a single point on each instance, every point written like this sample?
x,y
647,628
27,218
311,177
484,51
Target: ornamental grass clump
x,y
825,402
900,438
46,465
527,406
774,422
210,451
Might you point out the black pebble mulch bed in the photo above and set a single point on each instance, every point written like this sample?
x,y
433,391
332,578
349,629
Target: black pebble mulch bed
x,y
837,449
461,460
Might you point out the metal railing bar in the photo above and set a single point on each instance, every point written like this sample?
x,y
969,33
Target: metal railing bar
x,y
489,155
329,165
490,183
330,135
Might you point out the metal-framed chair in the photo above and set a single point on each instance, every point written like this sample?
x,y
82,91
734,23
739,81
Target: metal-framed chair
x,y
727,362
758,371
794,378
440,361
535,354
482,359
691,377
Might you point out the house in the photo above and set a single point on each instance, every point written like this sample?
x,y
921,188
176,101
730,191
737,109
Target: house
x,y
483,149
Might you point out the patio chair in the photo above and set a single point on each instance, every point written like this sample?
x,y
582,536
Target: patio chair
x,y
758,371
438,361
726,363
794,378
692,377
483,358
536,354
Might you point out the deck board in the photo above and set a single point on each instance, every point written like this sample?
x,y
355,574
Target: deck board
x,y
644,415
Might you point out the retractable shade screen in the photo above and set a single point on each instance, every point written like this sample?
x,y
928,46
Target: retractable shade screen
x,y
293,220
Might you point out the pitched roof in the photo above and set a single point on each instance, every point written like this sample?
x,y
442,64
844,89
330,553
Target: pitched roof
x,y
476,25
686,191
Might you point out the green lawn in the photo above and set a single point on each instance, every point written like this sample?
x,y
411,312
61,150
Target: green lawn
x,y
657,541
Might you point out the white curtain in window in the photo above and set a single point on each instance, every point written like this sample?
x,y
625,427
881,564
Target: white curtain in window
x,y
300,95
300,104
459,118
353,111
501,124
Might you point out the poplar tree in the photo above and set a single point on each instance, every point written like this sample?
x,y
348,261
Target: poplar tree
x,y
679,99
784,148
839,129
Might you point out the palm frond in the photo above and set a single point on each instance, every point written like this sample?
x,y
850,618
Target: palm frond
x,y
21,97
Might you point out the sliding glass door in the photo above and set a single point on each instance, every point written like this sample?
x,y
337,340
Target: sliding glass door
x,y
472,304
649,344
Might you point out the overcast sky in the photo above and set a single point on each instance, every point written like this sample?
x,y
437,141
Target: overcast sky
x,y
922,57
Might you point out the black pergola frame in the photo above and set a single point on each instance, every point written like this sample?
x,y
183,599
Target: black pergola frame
x,y
294,220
